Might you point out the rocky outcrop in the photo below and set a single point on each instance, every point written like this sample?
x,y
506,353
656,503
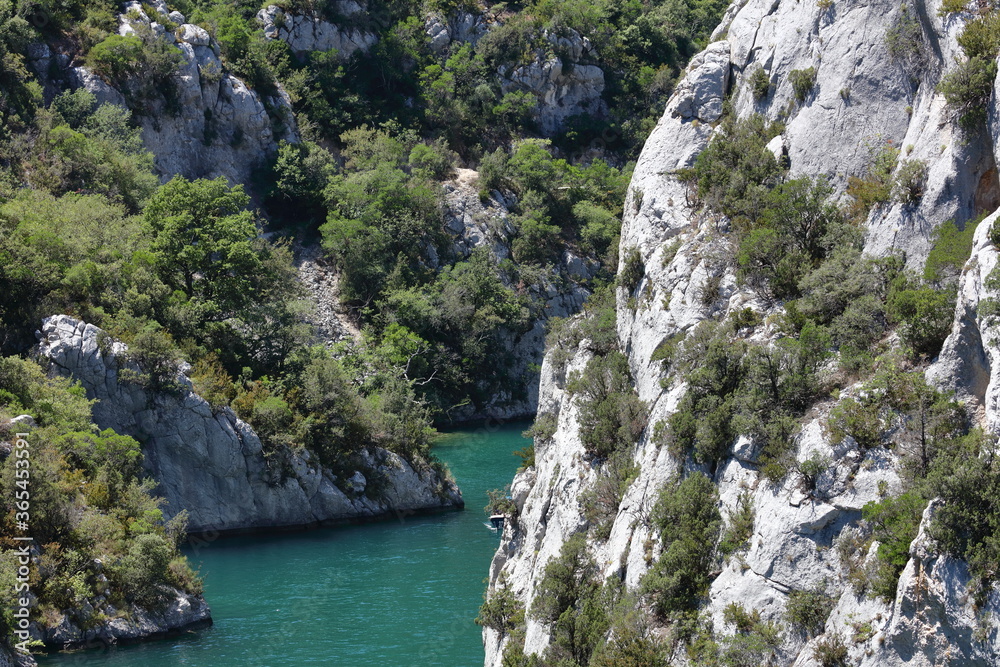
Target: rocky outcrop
x,y
11,658
322,283
562,84
464,27
864,99
217,125
305,33
932,621
180,613
969,361
211,464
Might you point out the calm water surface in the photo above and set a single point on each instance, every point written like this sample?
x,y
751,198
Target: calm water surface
x,y
381,595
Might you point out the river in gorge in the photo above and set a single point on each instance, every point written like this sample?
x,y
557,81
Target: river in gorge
x,y
390,594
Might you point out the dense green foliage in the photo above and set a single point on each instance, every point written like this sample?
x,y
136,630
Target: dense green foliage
x,y
687,516
736,388
600,502
950,251
568,598
501,611
807,610
99,530
611,415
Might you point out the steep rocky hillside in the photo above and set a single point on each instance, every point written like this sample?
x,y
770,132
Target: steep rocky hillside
x,y
212,465
849,82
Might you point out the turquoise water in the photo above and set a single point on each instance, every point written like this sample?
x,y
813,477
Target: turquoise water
x,y
402,592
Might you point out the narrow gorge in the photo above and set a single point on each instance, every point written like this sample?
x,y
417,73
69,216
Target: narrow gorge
x,y
281,283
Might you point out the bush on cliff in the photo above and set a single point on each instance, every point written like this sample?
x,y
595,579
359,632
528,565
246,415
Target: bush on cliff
x,y
688,520
100,532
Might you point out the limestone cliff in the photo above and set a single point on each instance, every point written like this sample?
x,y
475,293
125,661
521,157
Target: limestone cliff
x,y
179,613
211,464
217,126
9,658
304,33
864,97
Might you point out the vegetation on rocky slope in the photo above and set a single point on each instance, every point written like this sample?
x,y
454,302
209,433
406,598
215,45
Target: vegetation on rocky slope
x,y
101,546
854,331
179,272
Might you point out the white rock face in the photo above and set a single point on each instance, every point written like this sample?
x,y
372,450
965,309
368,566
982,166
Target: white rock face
x,y
464,27
219,127
210,463
193,35
81,77
969,362
562,84
309,33
863,98
9,658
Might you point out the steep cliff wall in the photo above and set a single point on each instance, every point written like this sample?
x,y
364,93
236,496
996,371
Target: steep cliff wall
x,y
211,464
864,98
217,125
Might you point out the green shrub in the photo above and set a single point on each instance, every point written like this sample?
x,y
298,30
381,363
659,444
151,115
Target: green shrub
x,y
760,83
811,469
952,6
154,352
527,456
141,67
537,239
611,415
544,426
754,642
860,419
967,90
905,42
807,610
950,250
967,524
740,525
433,160
831,652
981,36
736,170
894,522
601,500
599,228
632,643
924,316
803,81
501,611
876,186
909,183
570,598
688,520
632,271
